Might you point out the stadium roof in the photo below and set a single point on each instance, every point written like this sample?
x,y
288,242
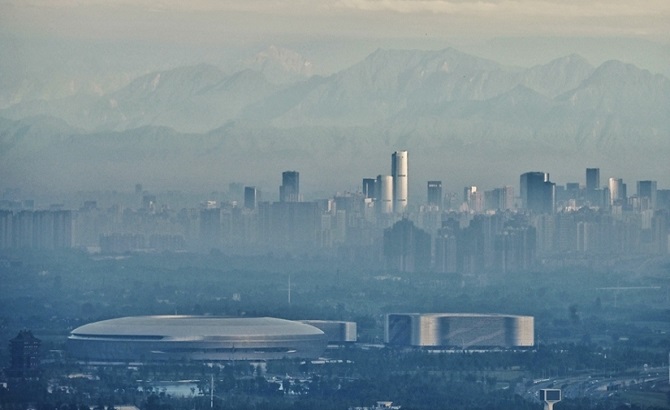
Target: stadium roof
x,y
196,327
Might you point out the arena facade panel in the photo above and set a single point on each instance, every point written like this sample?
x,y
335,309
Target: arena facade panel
x,y
461,330
203,338
337,331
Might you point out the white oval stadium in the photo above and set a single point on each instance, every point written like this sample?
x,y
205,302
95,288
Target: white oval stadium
x,y
207,338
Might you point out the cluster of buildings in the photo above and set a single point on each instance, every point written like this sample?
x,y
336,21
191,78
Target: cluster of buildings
x,y
211,338
481,231
167,339
37,229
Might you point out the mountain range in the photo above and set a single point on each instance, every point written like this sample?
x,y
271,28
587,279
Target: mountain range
x,y
273,112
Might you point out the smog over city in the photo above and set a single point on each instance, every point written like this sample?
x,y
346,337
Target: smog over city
x,y
338,204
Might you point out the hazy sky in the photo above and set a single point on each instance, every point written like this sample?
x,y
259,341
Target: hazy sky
x,y
345,29
196,18
64,46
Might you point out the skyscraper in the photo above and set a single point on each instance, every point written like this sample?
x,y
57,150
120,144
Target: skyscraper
x,y
369,187
406,247
646,192
400,185
499,198
507,197
384,195
210,228
538,194
593,194
473,198
617,191
435,193
289,191
250,197
592,179
23,374
467,193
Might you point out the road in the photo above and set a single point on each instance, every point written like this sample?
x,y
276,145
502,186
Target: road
x,y
596,385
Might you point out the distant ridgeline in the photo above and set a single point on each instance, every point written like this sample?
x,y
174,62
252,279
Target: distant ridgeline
x,y
461,115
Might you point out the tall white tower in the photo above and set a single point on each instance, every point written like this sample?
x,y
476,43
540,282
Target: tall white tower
x,y
385,194
617,191
399,174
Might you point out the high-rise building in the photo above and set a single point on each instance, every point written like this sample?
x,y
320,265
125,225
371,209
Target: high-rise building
x,y
37,230
593,192
384,195
515,249
24,350
507,197
369,187
646,193
289,191
473,198
435,193
400,184
468,191
250,197
407,248
499,198
538,194
210,228
23,374
592,179
617,191
63,231
572,190
663,199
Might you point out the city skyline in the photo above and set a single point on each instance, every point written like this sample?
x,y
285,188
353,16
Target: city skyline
x,y
290,183
592,220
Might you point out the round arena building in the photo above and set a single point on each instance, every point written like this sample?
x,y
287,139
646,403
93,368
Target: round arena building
x,y
205,338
